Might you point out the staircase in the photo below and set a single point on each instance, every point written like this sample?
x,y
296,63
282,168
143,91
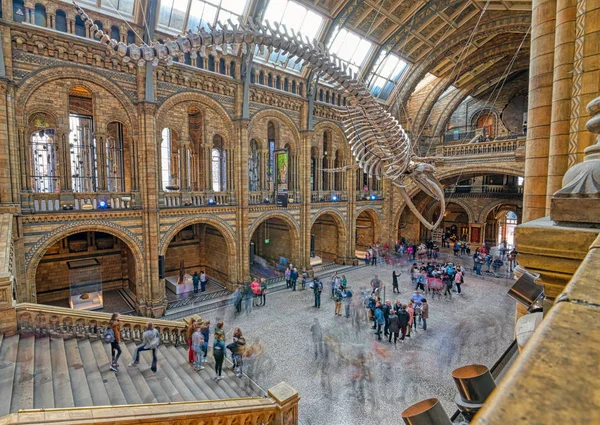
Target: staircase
x,y
54,372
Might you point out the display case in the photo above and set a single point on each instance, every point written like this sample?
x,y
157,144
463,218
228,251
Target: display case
x,y
85,284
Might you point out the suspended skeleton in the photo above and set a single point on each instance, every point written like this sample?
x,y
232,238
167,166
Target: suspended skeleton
x,y
377,141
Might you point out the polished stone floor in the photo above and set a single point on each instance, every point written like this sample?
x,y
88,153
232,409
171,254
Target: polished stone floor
x,y
475,327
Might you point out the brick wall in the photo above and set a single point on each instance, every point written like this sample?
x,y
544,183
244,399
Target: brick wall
x,y
326,238
280,243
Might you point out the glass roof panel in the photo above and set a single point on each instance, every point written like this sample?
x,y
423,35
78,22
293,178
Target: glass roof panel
x,y
350,48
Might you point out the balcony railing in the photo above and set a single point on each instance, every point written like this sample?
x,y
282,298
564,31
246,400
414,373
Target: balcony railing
x,y
328,196
265,197
373,195
198,199
46,202
483,190
484,148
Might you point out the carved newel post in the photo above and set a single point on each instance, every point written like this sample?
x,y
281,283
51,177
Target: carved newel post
x,y
579,199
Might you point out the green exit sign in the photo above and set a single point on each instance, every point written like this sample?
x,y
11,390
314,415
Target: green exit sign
x,y
266,240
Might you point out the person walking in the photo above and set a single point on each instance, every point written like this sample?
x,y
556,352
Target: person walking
x,y
288,280
317,288
263,291
346,299
394,327
196,281
496,264
197,344
421,280
190,330
335,283
203,281
115,346
395,282
447,279
205,331
424,312
255,286
403,320
375,285
411,318
150,341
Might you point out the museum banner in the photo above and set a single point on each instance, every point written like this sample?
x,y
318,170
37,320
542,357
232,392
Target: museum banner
x,y
282,158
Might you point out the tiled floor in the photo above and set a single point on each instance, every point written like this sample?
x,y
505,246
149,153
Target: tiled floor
x,y
473,328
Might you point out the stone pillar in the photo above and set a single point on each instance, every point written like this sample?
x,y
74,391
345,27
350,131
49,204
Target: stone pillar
x,y
6,152
351,214
540,108
241,192
101,161
561,96
305,192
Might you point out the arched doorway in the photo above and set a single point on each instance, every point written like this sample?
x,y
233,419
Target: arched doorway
x,y
500,226
366,231
274,244
455,222
327,239
198,247
88,271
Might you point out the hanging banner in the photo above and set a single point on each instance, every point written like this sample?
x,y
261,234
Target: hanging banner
x,y
282,158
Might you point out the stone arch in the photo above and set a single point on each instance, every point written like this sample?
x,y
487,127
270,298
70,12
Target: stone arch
x,y
222,226
289,220
457,201
278,116
340,220
375,217
35,254
340,225
195,99
486,210
37,79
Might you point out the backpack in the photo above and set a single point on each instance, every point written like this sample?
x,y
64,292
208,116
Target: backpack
x,y
109,336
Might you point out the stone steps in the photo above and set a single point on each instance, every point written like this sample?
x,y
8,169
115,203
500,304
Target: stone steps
x,y
47,372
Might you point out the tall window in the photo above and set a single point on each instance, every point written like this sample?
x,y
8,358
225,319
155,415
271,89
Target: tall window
x,y
114,157
387,72
219,160
207,12
83,153
253,166
350,48
40,15
165,158
125,6
296,17
44,154
271,140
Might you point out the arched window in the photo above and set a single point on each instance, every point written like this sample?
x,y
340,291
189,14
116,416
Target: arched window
x,y
79,26
286,85
211,63
18,11
219,160
327,96
321,95
187,58
270,80
130,37
40,15
326,152
84,176
261,78
337,176
252,78
114,158
100,26
115,33
486,120
44,167
61,21
313,168
271,137
278,82
165,158
294,86
222,68
232,69
253,166
200,62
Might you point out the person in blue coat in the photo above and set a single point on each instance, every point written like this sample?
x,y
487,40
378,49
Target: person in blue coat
x,y
379,320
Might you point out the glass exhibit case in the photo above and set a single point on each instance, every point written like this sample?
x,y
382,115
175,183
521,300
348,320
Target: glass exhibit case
x,y
85,283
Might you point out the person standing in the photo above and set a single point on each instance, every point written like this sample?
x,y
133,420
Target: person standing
x,y
115,346
190,330
344,281
403,320
219,355
263,290
288,280
203,281
394,327
337,298
317,288
239,349
335,283
424,312
196,281
387,309
346,298
255,286
205,331
150,341
421,279
197,343
379,320
458,280
294,278
375,285
411,318
395,282
317,338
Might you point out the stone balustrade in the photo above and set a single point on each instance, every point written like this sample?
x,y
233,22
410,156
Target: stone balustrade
x,y
280,407
198,199
328,196
47,202
43,319
483,148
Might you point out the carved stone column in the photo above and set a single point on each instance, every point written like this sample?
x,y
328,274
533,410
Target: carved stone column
x,y
241,182
100,137
541,71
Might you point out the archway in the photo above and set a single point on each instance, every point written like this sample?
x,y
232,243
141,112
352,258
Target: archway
x,y
274,243
327,239
89,270
455,223
198,247
500,225
367,226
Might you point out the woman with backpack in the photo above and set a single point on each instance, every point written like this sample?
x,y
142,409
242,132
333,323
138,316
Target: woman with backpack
x,y
150,341
115,347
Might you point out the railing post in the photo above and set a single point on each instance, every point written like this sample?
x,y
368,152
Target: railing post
x,y
287,400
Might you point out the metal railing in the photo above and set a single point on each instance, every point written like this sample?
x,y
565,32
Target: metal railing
x,y
198,199
46,202
483,148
